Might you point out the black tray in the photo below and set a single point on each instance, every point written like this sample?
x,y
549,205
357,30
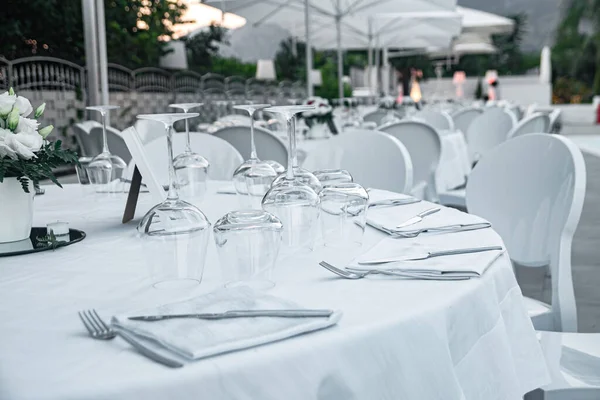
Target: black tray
x,y
36,243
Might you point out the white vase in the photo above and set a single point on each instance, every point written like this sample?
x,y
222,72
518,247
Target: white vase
x,y
318,130
16,210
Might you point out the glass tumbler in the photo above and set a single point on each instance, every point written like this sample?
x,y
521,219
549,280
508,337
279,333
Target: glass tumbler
x,y
248,243
343,214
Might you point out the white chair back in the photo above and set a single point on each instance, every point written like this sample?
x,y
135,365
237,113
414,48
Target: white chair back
x,y
377,115
375,159
440,120
424,146
555,117
268,145
536,123
89,145
149,130
532,189
236,119
222,156
116,144
488,131
463,118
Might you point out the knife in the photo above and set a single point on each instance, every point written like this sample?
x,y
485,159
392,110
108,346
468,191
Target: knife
x,y
431,254
418,218
240,314
394,202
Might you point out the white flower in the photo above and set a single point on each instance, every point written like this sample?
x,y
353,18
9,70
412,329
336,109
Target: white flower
x,y
25,107
27,125
7,102
23,145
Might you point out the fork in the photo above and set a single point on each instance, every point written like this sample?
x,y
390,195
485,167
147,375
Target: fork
x,y
101,331
344,273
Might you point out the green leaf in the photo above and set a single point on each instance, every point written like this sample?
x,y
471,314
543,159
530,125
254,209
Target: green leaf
x,y
24,183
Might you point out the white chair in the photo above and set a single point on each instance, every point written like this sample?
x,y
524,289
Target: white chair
x,y
535,123
268,145
89,146
573,361
377,115
439,120
116,144
555,120
222,156
375,159
236,119
424,146
488,131
531,189
463,118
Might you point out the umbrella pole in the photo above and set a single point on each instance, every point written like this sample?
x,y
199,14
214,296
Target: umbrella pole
x,y
309,61
338,26
91,54
370,62
101,24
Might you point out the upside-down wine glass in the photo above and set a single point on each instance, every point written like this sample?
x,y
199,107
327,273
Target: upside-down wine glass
x,y
253,178
290,199
300,174
174,233
191,169
106,170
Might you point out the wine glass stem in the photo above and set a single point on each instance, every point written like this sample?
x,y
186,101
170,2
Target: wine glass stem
x,y
104,139
294,144
172,195
289,173
253,154
188,143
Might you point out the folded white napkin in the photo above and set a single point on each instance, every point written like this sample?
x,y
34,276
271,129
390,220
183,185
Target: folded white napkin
x,y
378,195
464,265
388,218
195,338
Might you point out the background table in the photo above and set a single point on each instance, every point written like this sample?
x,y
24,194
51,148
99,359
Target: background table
x,y
397,339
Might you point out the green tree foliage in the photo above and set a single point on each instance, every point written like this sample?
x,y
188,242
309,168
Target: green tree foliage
x,y
55,28
203,47
576,53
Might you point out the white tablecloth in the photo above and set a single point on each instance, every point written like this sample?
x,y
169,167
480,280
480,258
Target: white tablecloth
x,y
454,164
397,339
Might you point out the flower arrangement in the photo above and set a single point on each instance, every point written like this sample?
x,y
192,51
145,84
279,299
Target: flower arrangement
x,y
323,113
25,153
387,103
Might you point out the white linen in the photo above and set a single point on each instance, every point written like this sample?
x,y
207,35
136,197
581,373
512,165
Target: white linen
x,y
195,339
469,265
391,217
454,164
398,339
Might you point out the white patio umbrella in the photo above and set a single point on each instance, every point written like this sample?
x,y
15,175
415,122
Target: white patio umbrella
x,y
337,11
545,65
476,21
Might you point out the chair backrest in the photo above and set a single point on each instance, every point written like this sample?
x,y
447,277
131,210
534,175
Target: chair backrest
x,y
463,118
236,119
555,120
89,145
438,119
535,205
223,157
375,159
424,146
535,123
487,131
116,144
377,115
268,145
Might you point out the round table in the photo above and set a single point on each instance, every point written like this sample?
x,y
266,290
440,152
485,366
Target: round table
x,y
397,339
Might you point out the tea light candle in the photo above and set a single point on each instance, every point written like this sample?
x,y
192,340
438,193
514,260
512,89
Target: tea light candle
x,y
59,229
